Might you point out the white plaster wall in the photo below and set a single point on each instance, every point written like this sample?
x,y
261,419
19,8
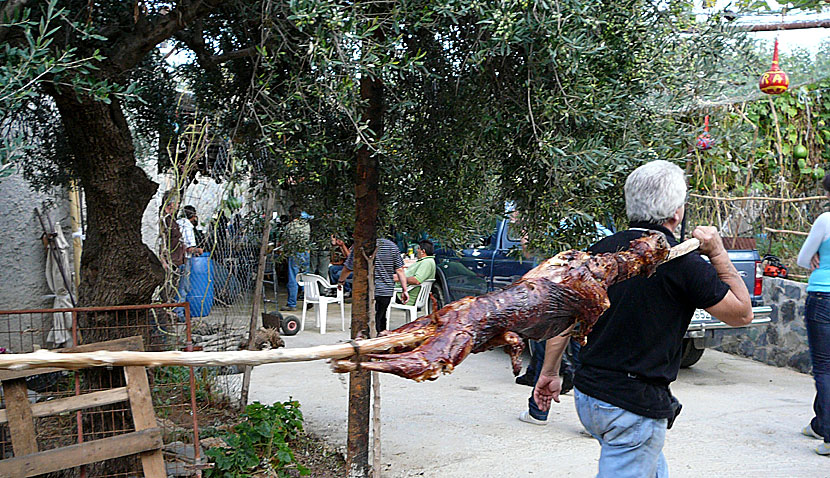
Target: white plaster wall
x,y
23,260
22,256
205,196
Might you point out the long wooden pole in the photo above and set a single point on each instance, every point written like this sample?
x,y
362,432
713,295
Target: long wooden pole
x,y
260,275
44,359
77,245
73,361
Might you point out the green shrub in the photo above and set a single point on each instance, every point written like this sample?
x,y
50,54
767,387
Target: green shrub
x,y
260,441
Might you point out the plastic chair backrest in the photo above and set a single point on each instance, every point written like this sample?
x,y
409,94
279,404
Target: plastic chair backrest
x,y
423,294
312,284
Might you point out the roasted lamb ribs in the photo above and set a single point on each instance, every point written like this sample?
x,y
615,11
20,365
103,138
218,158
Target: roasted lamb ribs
x,y
568,288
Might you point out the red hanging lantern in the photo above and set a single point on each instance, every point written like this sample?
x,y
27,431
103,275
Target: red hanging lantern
x,y
704,141
774,81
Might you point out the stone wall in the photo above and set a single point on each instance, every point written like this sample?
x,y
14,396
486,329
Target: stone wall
x,y
783,342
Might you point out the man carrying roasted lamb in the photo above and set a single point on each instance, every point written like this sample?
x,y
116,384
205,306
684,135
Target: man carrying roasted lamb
x,y
633,352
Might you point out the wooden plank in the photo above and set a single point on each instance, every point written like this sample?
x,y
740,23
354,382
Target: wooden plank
x,y
119,345
19,412
144,417
81,454
71,404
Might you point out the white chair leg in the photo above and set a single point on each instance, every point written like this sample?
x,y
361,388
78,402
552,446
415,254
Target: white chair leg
x,y
302,320
342,315
389,315
322,309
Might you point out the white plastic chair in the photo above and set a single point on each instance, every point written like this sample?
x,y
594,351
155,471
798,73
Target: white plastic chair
x,y
313,285
420,303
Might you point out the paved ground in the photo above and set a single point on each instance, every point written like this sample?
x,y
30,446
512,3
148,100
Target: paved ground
x,y
740,419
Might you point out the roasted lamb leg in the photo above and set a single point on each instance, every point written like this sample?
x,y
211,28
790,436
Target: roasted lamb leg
x,y
568,288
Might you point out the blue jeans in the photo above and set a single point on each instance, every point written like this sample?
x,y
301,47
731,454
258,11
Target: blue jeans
x,y
817,320
184,288
296,264
569,362
334,276
632,445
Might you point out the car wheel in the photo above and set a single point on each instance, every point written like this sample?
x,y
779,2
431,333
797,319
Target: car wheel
x,y
438,293
690,355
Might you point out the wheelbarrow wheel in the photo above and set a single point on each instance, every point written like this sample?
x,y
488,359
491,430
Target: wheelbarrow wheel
x,y
290,325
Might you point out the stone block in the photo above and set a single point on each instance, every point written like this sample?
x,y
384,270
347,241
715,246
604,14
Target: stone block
x,y
761,354
772,335
794,290
787,312
775,292
801,361
773,315
793,342
746,348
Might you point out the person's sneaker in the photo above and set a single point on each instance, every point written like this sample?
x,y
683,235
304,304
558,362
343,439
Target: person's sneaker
x,y
287,308
823,449
809,432
525,417
525,380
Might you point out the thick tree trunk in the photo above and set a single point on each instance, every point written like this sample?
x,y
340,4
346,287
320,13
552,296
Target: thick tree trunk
x,y
365,234
116,267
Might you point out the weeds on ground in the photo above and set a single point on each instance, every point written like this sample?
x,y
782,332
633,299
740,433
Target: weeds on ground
x,y
260,443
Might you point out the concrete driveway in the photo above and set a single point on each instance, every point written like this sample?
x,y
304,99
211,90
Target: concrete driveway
x,y
740,419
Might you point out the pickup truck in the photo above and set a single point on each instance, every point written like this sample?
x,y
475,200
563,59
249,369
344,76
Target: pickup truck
x,y
493,263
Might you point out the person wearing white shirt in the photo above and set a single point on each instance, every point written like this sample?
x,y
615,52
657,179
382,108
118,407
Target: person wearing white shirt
x,y
187,225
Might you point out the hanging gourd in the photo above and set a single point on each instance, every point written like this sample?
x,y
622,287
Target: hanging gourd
x,y
704,141
800,152
774,81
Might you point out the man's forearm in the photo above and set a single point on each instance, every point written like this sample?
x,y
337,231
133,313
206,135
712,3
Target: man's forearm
x,y
401,276
729,275
413,281
344,273
554,349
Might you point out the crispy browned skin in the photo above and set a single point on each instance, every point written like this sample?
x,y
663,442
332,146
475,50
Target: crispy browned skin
x,y
570,287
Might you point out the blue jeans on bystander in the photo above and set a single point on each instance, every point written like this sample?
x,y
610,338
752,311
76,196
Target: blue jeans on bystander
x,y
334,276
296,264
569,362
183,289
817,320
632,445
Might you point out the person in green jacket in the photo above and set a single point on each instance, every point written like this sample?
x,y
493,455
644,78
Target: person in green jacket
x,y
422,270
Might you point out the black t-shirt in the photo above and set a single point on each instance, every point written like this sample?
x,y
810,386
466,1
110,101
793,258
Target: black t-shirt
x,y
633,351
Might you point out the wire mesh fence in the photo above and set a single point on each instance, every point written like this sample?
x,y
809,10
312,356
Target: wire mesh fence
x,y
182,396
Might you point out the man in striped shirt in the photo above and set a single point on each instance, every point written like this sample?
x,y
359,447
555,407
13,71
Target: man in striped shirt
x,y
388,263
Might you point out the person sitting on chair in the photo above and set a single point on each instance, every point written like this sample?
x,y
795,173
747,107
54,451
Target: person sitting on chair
x,y
422,270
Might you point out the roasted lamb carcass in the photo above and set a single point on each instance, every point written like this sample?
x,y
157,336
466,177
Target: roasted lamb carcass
x,y
567,288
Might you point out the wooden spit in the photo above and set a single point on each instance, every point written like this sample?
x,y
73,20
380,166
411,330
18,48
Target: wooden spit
x,y
45,359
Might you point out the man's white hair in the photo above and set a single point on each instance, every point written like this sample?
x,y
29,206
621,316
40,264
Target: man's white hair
x,y
654,191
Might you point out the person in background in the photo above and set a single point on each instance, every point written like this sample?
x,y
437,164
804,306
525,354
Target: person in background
x,y
815,256
187,227
621,386
295,241
388,263
171,250
319,255
423,269
339,252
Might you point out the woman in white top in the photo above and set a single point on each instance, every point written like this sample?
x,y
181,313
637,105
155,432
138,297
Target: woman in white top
x,y
815,256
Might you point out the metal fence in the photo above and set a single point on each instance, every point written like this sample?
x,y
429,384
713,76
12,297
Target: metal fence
x,y
180,394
